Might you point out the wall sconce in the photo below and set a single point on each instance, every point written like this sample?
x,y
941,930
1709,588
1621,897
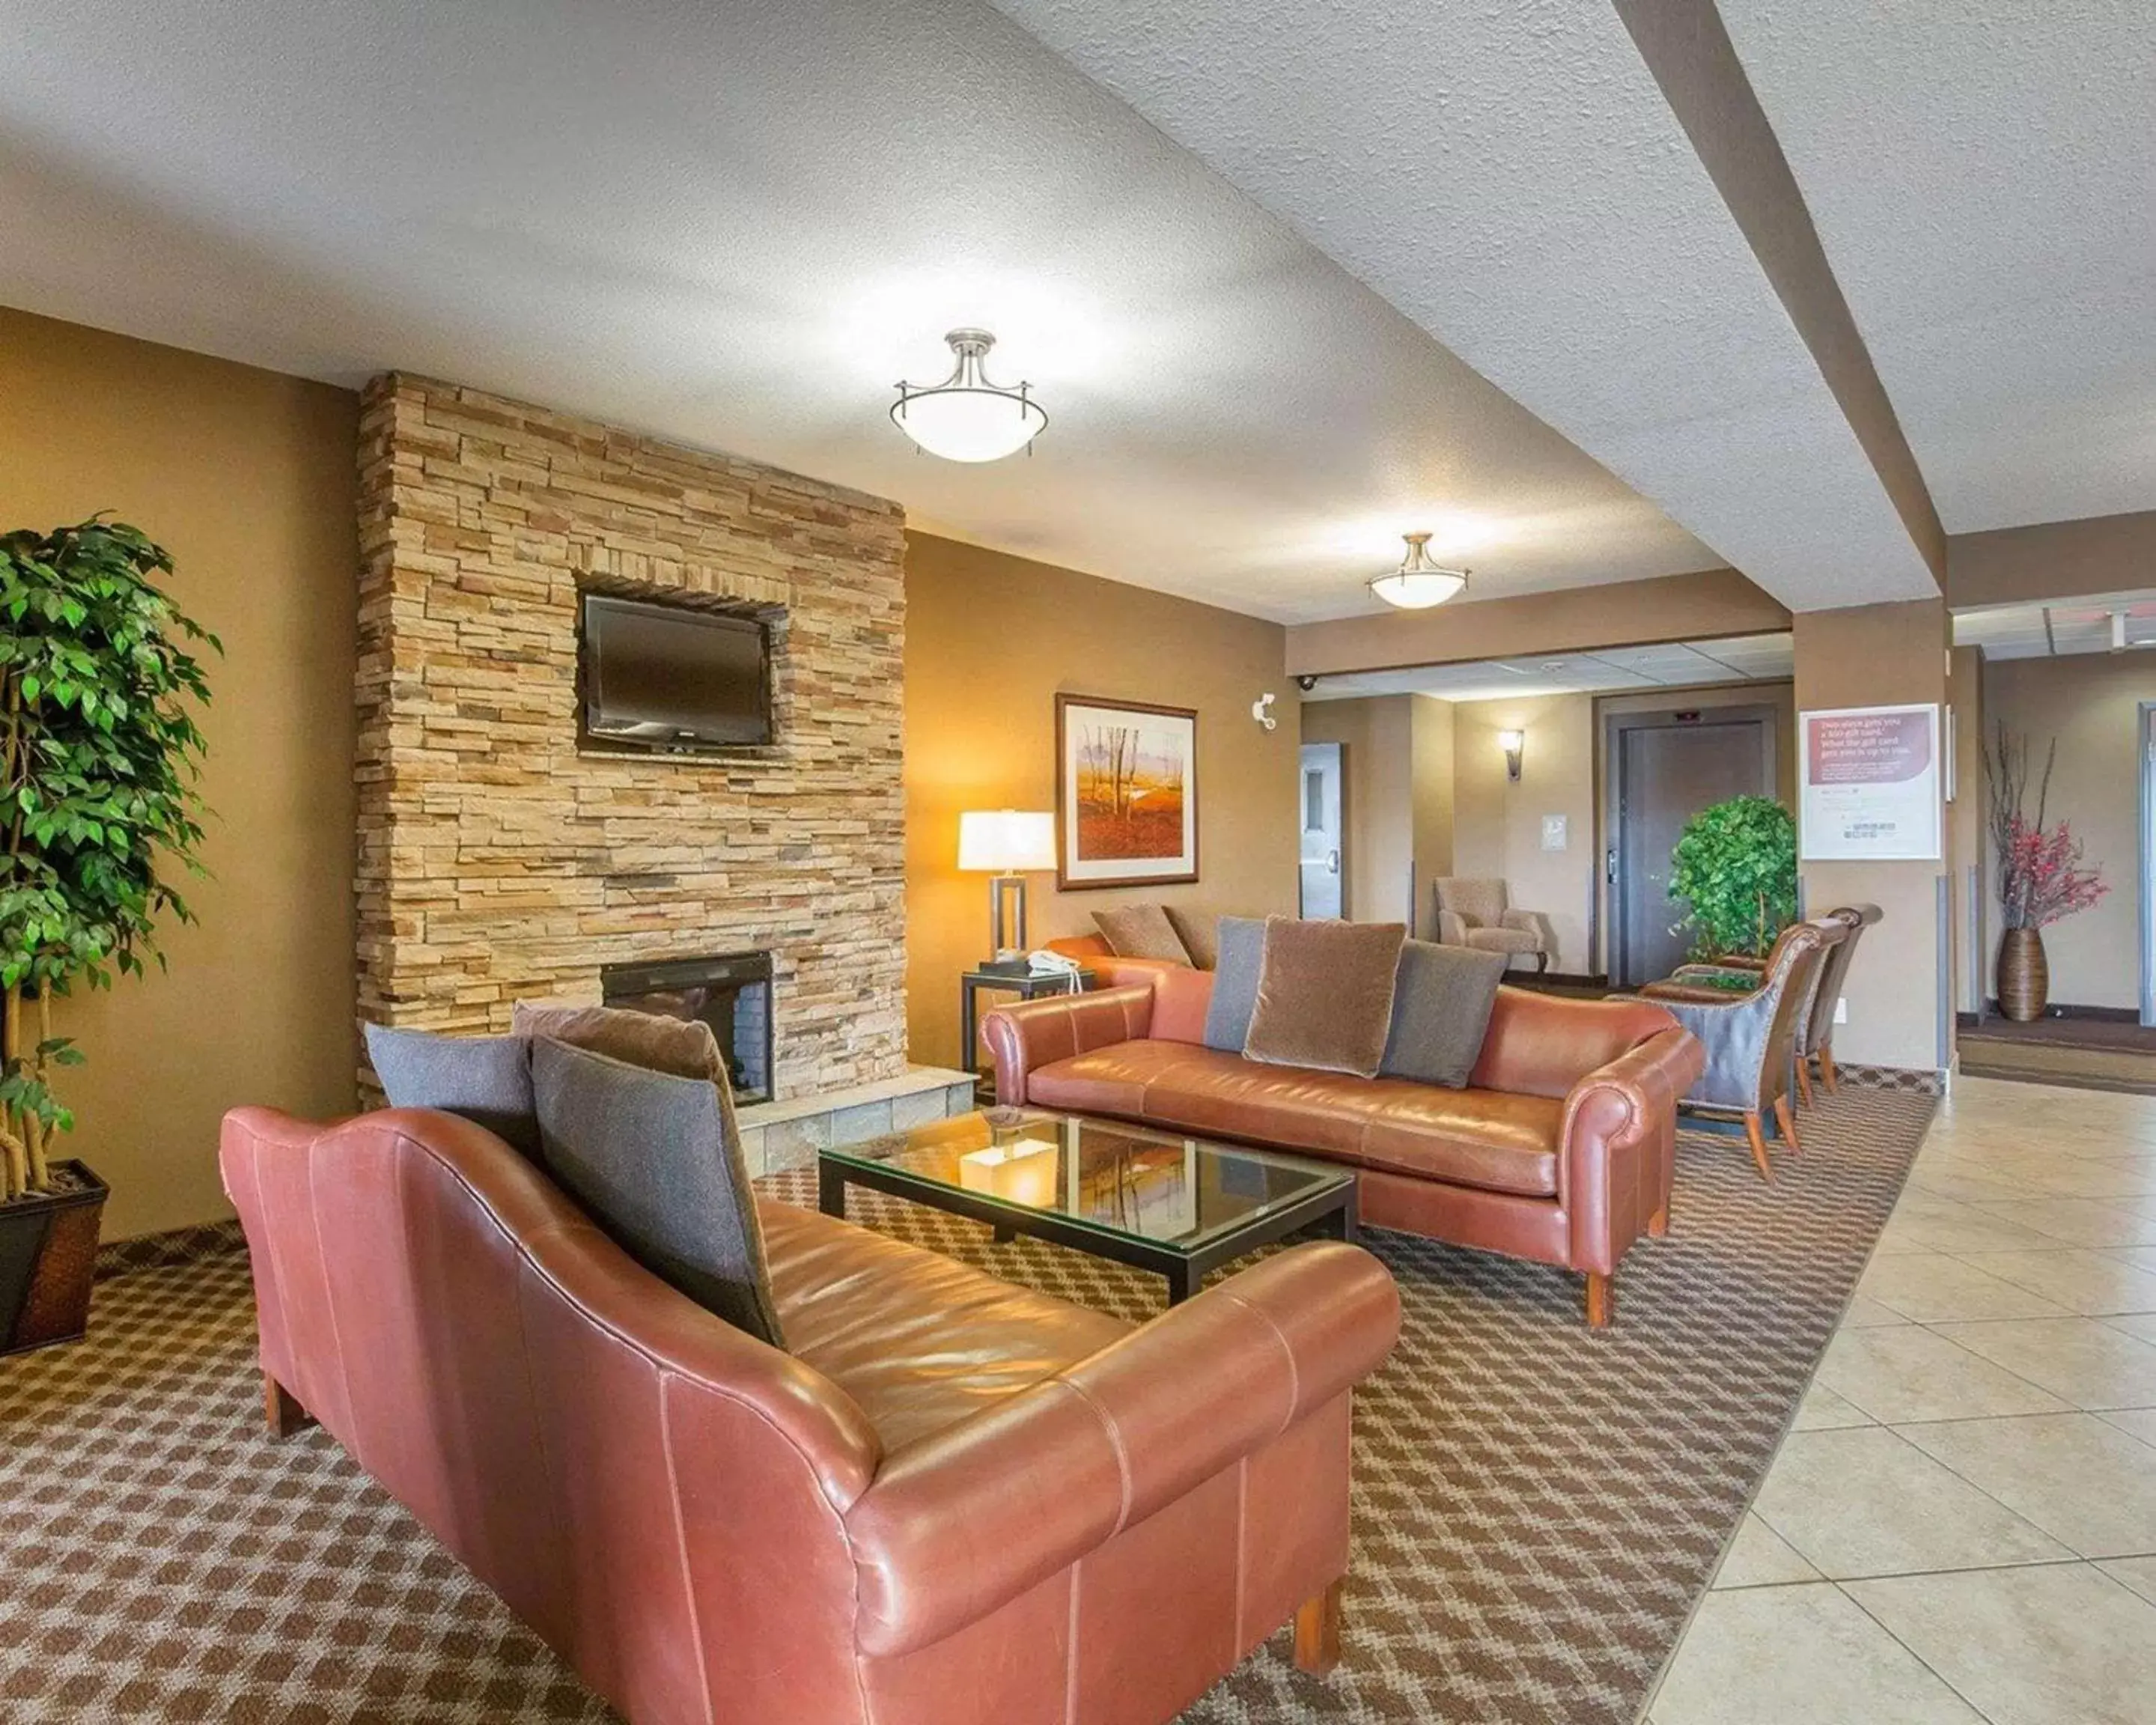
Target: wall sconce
x,y
1261,710
1512,742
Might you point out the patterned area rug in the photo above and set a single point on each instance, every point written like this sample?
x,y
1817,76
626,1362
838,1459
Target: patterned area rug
x,y
1536,1506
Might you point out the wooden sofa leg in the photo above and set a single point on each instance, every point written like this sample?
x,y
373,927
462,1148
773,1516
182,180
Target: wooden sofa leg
x,y
1317,1631
282,1410
1804,1082
1827,1072
1658,1224
1785,1122
1601,1299
1759,1141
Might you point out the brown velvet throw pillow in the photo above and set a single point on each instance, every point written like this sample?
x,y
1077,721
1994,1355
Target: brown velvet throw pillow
x,y
1141,932
1199,932
683,1048
1325,994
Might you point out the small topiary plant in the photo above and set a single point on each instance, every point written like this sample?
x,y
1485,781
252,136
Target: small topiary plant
x,y
1735,865
99,752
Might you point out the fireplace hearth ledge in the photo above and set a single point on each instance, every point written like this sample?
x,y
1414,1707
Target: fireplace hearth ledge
x,y
788,1132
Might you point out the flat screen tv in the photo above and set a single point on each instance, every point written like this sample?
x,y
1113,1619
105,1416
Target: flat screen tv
x,y
666,678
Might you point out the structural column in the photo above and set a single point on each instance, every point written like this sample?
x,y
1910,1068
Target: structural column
x,y
1899,993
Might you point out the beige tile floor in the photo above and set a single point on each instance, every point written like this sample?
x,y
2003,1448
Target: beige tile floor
x,y
1961,1523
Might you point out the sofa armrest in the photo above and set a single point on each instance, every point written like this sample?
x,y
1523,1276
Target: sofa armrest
x,y
1028,1033
1452,928
970,1518
1619,1136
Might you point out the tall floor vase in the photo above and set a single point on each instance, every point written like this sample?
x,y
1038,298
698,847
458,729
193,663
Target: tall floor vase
x,y
2025,976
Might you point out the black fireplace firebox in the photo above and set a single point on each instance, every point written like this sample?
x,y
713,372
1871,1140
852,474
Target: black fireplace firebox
x,y
730,991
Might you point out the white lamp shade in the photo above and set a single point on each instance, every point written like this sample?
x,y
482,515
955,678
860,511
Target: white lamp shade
x,y
1005,841
1416,591
969,424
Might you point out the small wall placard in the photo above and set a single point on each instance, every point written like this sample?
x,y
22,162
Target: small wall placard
x,y
1870,787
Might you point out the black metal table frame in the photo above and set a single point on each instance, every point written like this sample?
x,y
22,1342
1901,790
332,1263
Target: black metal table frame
x,y
1333,1208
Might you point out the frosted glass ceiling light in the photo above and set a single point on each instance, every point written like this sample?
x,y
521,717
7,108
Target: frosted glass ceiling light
x,y
1419,584
966,418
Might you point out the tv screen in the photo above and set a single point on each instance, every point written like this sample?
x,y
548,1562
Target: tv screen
x,y
664,677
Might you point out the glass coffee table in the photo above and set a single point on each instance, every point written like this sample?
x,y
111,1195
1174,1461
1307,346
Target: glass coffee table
x,y
1179,1206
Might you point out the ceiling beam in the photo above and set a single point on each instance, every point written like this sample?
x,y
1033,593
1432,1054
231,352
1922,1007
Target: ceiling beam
x,y
2052,561
1705,605
1687,49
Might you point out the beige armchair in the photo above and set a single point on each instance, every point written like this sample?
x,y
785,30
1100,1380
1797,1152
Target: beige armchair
x,y
1472,912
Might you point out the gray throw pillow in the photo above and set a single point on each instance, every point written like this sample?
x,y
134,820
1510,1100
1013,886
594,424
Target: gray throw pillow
x,y
485,1079
1242,957
656,1162
1442,999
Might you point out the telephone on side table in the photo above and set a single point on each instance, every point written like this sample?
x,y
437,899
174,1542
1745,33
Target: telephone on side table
x,y
1052,964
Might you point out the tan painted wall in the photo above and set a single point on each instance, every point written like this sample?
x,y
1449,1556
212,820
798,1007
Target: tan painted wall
x,y
1498,824
247,478
1433,773
1880,655
2090,703
990,641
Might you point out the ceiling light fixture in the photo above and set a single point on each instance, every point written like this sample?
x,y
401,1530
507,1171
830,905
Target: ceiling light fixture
x,y
1419,584
966,418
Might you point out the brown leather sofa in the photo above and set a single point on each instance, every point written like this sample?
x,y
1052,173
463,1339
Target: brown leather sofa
x,y
951,1501
1561,1149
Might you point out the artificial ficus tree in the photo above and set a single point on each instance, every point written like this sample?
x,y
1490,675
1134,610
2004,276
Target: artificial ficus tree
x,y
1735,864
98,757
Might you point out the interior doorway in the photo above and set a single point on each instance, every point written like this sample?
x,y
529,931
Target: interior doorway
x,y
1324,837
1661,768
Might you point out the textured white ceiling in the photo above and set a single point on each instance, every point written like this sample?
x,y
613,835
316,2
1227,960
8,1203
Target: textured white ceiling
x,y
1509,176
1982,176
738,224
1678,665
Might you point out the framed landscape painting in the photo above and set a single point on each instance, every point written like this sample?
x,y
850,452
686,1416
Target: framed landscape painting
x,y
1125,794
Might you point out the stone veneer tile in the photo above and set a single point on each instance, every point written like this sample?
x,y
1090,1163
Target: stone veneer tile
x,y
920,1109
866,1120
496,859
793,1143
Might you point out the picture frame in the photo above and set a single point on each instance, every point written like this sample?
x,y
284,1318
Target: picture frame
x,y
1125,794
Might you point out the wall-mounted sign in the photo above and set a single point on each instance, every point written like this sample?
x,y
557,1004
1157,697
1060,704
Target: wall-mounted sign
x,y
1871,789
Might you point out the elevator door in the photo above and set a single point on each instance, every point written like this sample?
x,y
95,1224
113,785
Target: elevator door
x,y
1667,774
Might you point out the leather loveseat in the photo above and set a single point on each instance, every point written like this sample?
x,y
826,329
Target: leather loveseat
x,y
951,1501
1561,1149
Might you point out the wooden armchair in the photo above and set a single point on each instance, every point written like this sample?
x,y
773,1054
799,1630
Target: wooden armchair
x,y
1750,1036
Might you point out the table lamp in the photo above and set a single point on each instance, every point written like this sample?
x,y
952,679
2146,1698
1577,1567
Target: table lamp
x,y
1002,843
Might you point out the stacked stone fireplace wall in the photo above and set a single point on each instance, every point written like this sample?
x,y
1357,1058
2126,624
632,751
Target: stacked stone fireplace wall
x,y
498,857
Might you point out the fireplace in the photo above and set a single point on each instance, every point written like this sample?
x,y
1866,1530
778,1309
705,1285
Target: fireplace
x,y
729,991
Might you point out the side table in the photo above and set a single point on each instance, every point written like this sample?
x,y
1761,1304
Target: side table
x,y
1026,988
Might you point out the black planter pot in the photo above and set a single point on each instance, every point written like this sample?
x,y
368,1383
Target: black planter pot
x,y
47,1261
